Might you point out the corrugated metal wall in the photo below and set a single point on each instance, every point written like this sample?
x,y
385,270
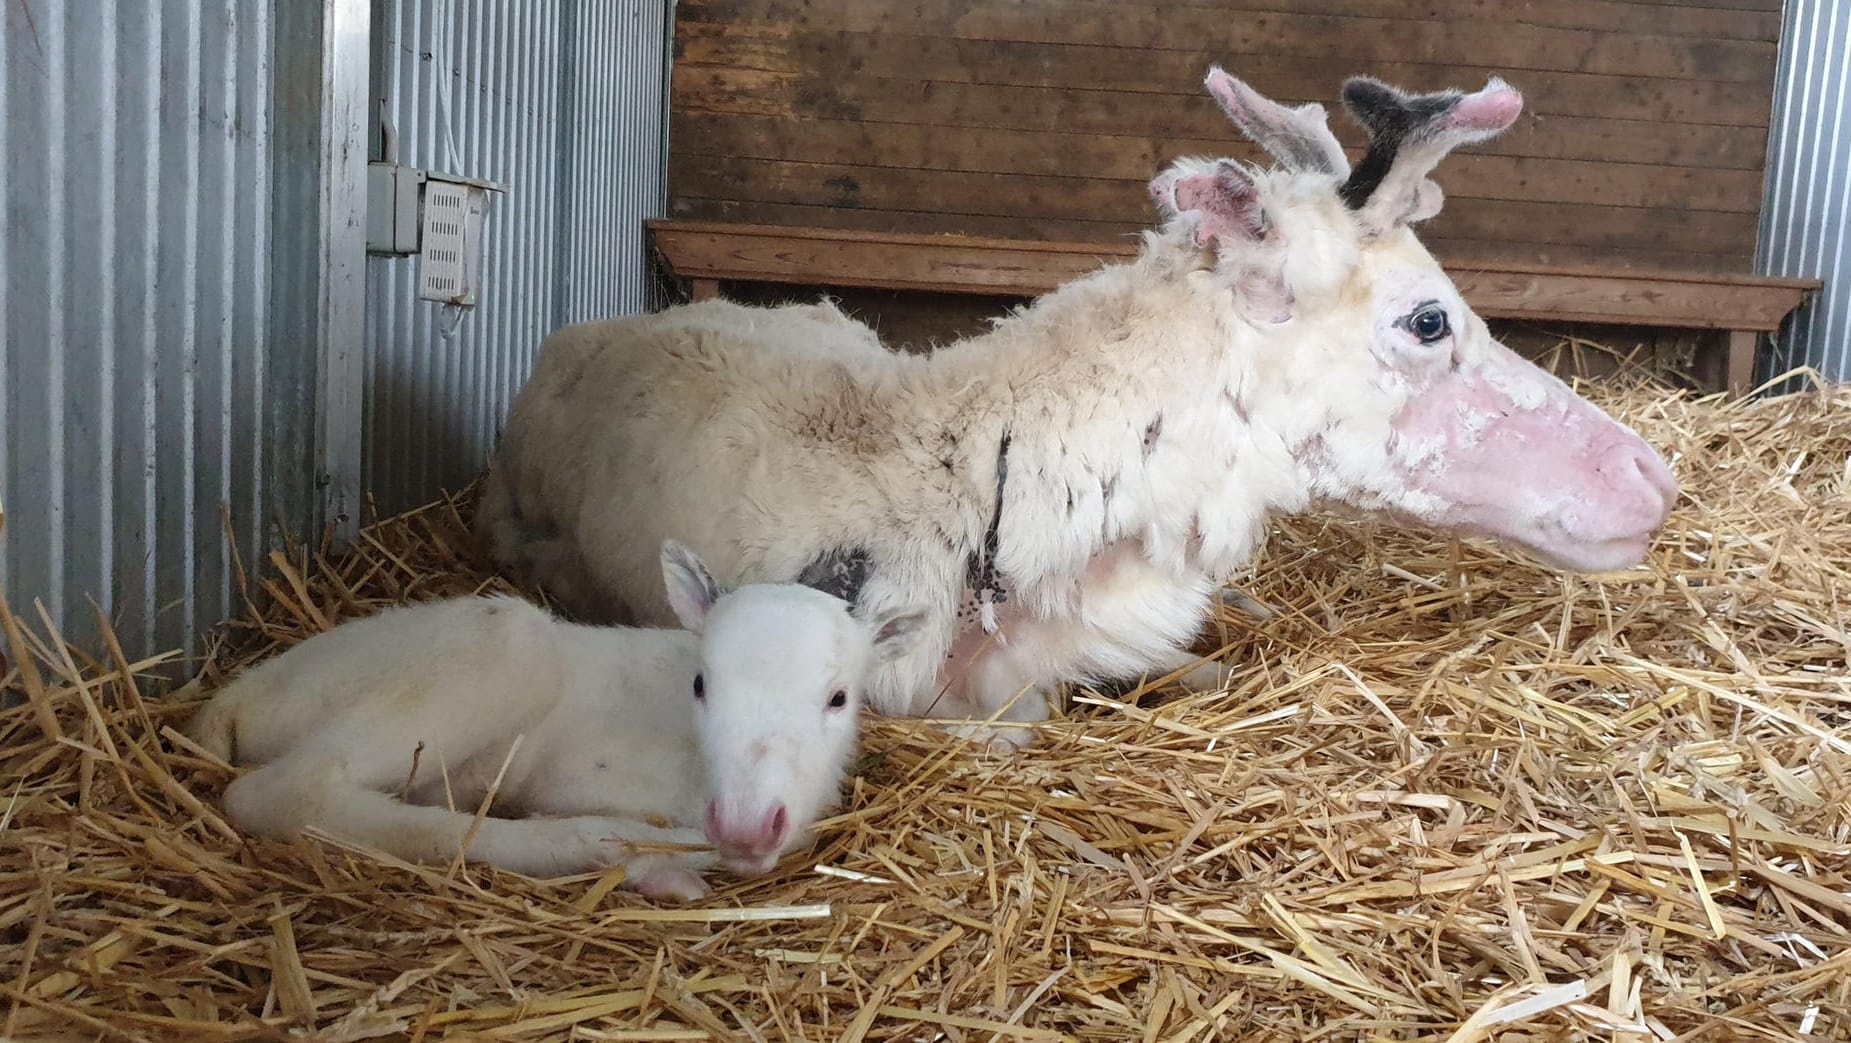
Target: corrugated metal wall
x,y
614,178
561,102
134,300
1807,206
166,230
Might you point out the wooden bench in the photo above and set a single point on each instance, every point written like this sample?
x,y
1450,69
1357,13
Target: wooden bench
x,y
705,253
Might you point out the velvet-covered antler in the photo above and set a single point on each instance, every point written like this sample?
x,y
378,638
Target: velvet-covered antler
x,y
1408,135
1299,138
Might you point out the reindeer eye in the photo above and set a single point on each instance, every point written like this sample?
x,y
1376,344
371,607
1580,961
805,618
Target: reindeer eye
x,y
700,687
1428,324
839,699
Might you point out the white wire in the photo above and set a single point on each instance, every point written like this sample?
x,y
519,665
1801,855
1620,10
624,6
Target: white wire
x,y
442,50
450,320
450,316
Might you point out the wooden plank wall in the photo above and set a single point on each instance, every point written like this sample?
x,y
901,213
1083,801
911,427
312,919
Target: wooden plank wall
x,y
1641,144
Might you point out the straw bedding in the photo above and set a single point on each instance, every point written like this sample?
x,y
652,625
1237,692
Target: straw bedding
x,y
1449,796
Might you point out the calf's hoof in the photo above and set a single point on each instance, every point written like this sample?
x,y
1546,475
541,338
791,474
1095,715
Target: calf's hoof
x,y
1212,676
666,880
998,740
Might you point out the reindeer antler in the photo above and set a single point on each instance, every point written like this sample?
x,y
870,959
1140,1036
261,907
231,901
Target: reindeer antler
x,y
1408,135
1299,138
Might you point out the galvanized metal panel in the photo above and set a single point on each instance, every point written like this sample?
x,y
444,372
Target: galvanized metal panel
x,y
619,71
1806,211
562,102
472,89
339,249
134,302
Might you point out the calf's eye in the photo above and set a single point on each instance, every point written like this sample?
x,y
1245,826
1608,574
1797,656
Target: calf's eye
x,y
838,700
700,687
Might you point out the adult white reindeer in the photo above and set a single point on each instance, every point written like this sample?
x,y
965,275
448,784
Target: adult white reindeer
x,y
1068,489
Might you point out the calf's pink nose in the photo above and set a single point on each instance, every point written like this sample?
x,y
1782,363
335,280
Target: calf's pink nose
x,y
747,835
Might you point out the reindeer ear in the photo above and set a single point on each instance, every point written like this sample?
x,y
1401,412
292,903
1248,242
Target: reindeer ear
x,y
894,632
1229,217
1428,200
1263,298
1223,200
691,588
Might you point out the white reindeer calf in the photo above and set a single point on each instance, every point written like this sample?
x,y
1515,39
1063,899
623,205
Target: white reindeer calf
x,y
735,732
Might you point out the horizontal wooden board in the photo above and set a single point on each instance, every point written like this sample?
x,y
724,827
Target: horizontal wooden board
x,y
1464,175
1642,141
1542,132
1190,112
1606,142
1610,258
1615,299
1755,20
1571,254
877,188
955,264
948,264
1326,37
696,208
1766,6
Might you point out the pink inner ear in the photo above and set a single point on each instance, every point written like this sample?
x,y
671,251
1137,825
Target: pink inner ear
x,y
1229,207
1487,110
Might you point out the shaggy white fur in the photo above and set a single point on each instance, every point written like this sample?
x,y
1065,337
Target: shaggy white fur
x,y
1068,490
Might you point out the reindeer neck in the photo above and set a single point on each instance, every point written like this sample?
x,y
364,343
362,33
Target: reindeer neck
x,y
1127,379
1086,326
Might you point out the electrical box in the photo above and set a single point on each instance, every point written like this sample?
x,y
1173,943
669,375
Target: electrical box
x,y
392,208
450,250
438,217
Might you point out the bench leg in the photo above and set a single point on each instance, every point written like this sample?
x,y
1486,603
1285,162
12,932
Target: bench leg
x,y
1741,372
703,289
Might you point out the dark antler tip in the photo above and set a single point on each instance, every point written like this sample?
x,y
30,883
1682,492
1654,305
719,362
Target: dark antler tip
x,y
1358,88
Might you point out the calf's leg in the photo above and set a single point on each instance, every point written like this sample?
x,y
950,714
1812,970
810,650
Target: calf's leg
x,y
283,798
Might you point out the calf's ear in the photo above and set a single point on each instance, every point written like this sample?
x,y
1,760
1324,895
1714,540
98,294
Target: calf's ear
x,y
692,590
894,632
